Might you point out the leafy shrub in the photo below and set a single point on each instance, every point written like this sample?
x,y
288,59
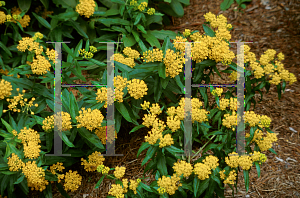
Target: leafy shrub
x,y
27,127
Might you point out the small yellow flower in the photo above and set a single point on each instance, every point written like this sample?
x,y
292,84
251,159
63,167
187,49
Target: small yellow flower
x,y
151,11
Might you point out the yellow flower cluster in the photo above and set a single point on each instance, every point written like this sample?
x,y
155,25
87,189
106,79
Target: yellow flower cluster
x,y
125,185
145,105
151,11
20,100
178,43
153,55
30,44
52,54
35,176
86,8
231,177
131,53
101,133
255,119
15,12
217,92
58,166
120,83
30,140
219,22
156,132
90,119
40,65
187,32
72,181
5,89
137,88
119,172
116,191
245,162
126,61
2,17
167,140
48,123
210,47
85,54
232,160
15,163
265,143
182,167
94,160
103,169
38,35
203,170
102,96
173,62
230,120
142,6
170,184
134,184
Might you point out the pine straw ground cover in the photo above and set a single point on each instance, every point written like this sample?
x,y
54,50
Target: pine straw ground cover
x,y
276,27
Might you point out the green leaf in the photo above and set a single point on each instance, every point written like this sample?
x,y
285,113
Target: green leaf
x,y
142,46
144,146
42,21
8,127
153,19
73,107
136,128
204,95
119,2
260,86
5,49
138,18
157,89
140,27
123,110
179,83
172,149
20,179
150,153
248,97
177,8
66,15
161,165
90,137
136,35
129,41
208,31
272,150
45,3
99,182
279,90
185,2
62,190
78,28
257,168
68,50
243,6
246,179
146,187
24,5
152,40
283,86
226,4
162,34
66,140
165,82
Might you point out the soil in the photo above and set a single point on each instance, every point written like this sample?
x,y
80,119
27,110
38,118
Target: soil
x,y
270,25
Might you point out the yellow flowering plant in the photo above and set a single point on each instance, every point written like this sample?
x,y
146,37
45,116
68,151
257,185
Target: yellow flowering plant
x,y
145,75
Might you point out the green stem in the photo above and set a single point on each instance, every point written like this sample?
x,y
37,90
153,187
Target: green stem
x,y
203,146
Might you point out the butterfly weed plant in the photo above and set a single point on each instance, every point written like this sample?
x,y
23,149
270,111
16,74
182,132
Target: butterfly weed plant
x,y
145,75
